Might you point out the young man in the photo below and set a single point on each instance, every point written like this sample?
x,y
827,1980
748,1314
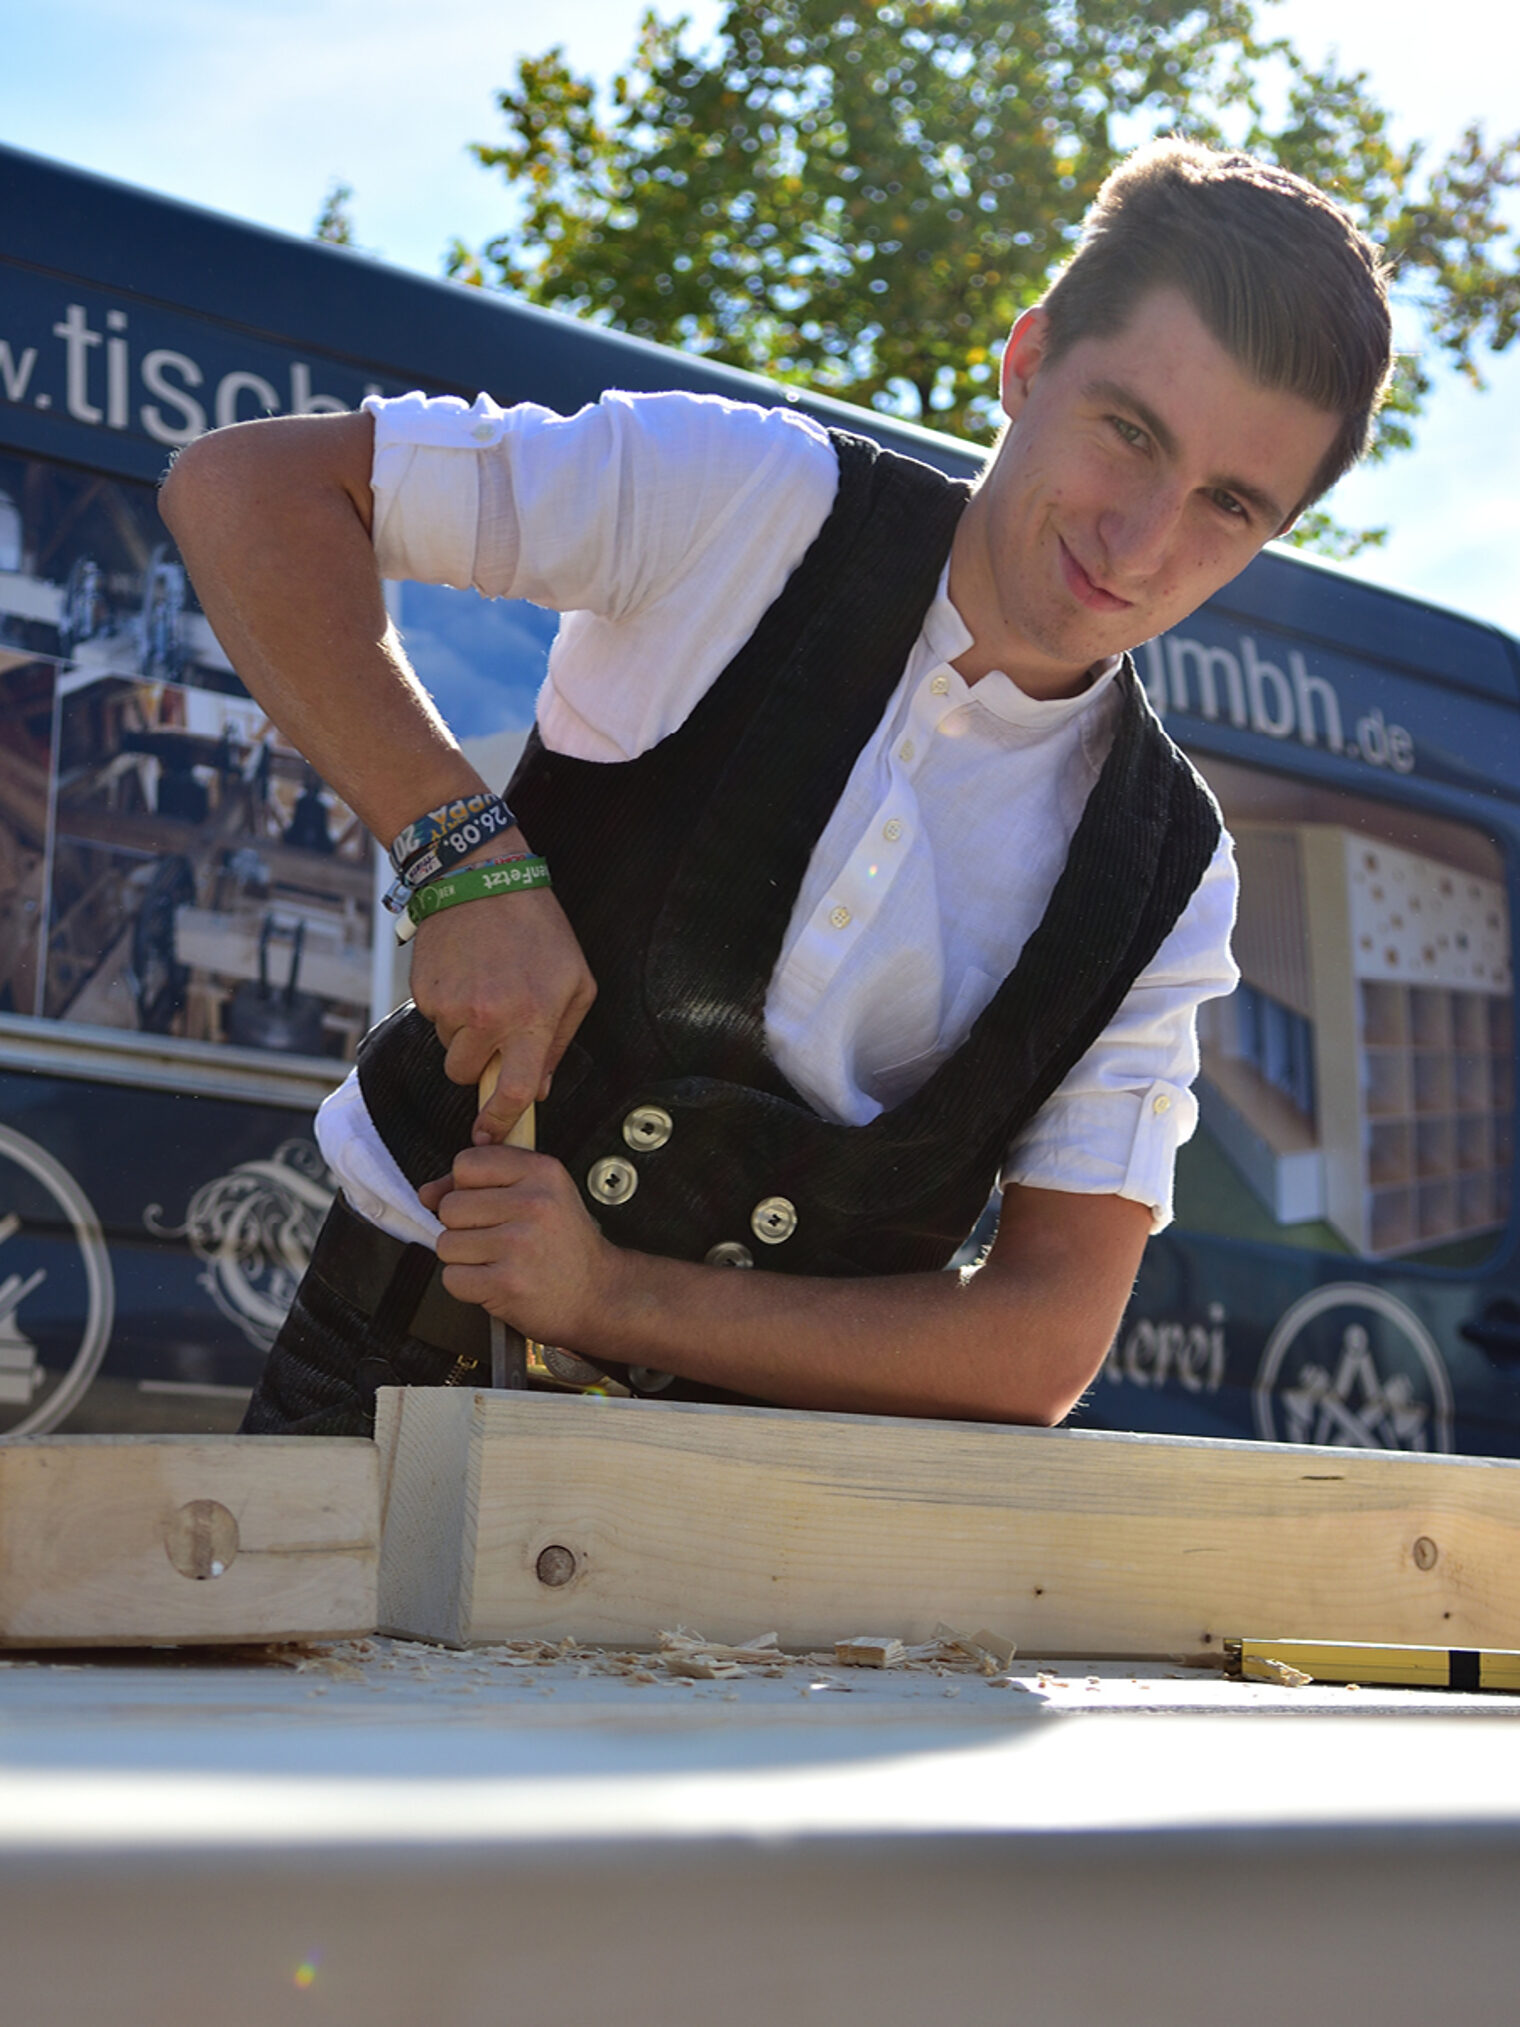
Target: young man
x,y
889,884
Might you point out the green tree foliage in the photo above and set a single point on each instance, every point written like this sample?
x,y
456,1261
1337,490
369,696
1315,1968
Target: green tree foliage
x,y
335,222
860,198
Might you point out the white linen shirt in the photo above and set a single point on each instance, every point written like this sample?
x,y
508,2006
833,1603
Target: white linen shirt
x,y
662,527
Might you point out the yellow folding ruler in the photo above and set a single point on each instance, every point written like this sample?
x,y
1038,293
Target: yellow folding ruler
x,y
1364,1662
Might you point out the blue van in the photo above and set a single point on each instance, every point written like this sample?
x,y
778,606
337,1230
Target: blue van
x,y
188,952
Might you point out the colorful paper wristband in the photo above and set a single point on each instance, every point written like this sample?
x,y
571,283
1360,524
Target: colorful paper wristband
x,y
442,821
438,857
474,883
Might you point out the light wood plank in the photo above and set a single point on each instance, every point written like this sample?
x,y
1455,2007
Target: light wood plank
x,y
169,1540
1071,1542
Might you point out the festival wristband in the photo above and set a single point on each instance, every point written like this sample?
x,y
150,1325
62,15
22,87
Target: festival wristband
x,y
440,855
474,883
485,812
400,895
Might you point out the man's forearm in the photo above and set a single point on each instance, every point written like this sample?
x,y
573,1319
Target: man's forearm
x,y
1016,1341
909,1344
273,519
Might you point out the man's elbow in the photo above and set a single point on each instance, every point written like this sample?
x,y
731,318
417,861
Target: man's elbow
x,y
253,468
206,478
182,485
1051,1296
1038,1385
1043,1407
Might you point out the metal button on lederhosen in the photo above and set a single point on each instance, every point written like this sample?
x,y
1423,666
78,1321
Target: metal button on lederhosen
x,y
648,1127
729,1253
773,1219
612,1180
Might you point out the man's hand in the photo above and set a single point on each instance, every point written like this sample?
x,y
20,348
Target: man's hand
x,y
519,1241
503,976
1017,1341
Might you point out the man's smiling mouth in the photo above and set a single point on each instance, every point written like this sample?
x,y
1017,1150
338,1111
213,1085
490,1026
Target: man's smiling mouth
x,y
1083,588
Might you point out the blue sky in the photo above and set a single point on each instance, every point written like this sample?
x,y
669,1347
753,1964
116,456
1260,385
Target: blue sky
x,y
255,106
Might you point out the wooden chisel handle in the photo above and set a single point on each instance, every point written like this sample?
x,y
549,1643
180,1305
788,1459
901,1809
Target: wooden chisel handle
x,y
509,1354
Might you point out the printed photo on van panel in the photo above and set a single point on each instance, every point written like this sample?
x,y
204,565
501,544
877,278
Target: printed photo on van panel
x,y
1357,1091
181,870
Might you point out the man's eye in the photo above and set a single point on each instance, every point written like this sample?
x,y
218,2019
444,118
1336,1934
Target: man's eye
x,y
1131,432
1228,504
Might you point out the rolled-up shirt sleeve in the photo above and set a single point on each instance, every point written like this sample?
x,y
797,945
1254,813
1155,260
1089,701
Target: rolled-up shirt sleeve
x,y
1113,1127
425,481
578,513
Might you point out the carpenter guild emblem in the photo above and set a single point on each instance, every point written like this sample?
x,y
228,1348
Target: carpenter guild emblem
x,y
253,1230
1351,1365
57,1297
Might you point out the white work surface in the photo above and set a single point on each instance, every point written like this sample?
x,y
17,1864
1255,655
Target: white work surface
x,y
383,1833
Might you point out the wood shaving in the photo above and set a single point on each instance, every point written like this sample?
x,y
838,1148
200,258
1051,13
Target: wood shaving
x,y
991,1652
870,1650
703,1667
762,1648
1263,1668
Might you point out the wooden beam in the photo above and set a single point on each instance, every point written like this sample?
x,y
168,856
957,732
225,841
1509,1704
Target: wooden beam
x,y
509,1515
109,1541
150,836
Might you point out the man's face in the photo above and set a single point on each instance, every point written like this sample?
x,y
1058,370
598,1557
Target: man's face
x,y
1139,473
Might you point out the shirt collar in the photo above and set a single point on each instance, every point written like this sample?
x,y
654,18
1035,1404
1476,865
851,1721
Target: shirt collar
x,y
948,636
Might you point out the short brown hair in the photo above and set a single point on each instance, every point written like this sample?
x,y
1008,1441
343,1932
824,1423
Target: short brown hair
x,y
1279,274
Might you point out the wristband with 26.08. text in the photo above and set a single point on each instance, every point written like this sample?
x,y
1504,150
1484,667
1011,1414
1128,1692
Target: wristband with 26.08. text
x,y
430,845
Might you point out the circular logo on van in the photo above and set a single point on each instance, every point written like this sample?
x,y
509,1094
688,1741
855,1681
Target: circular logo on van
x,y
253,1230
57,1296
1351,1365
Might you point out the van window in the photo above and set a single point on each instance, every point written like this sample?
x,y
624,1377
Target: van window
x,y
1356,1094
481,659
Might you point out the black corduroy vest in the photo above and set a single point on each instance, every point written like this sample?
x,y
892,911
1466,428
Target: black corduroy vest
x,y
678,871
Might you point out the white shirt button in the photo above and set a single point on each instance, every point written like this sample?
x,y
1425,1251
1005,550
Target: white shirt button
x,y
483,432
906,750
840,917
892,830
1161,1103
940,685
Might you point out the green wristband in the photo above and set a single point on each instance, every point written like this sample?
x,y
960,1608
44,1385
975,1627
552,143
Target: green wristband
x,y
477,883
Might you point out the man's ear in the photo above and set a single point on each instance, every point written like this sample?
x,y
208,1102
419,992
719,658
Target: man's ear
x,y
1023,356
